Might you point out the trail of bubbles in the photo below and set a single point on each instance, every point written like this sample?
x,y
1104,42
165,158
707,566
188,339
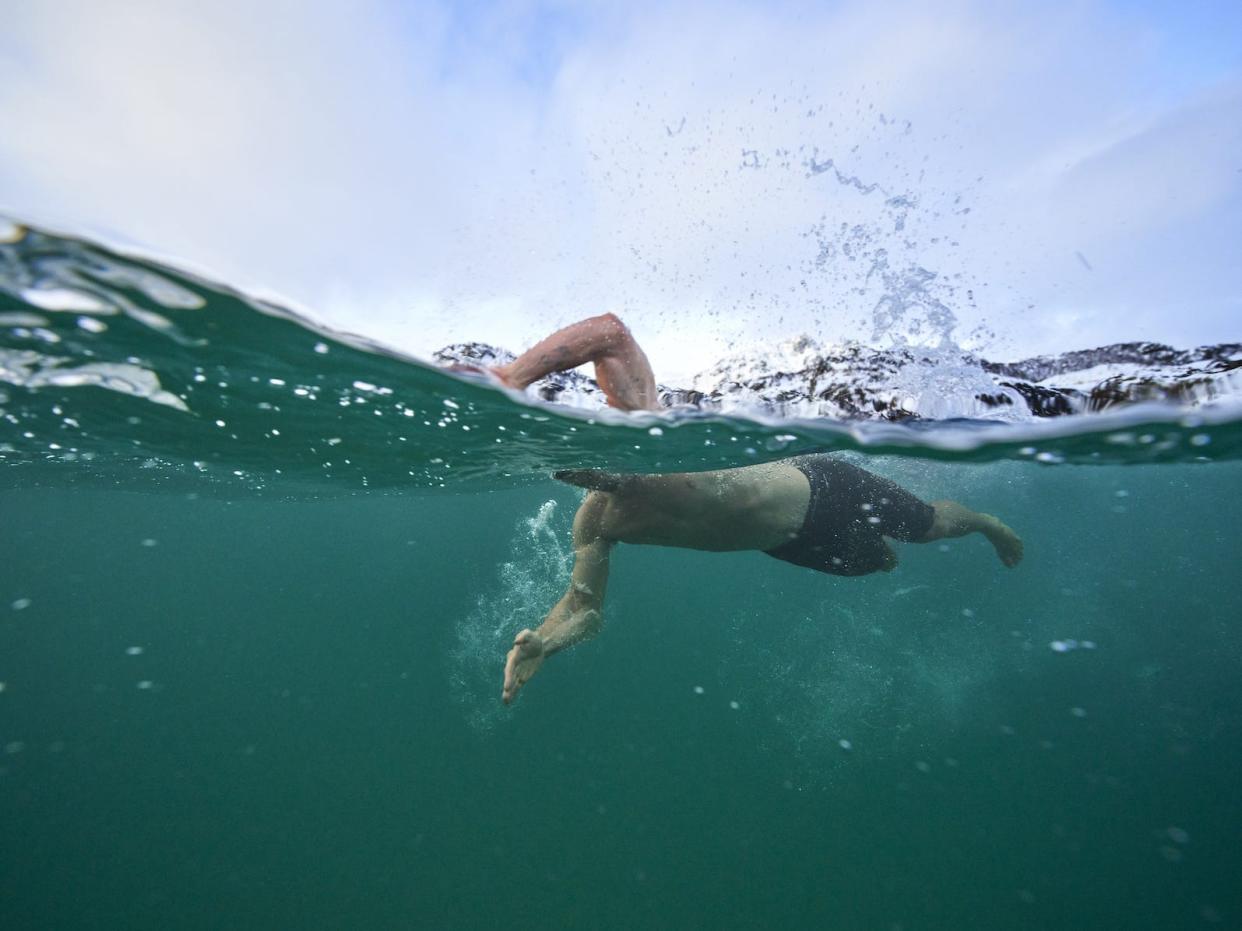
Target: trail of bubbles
x,y
877,676
540,559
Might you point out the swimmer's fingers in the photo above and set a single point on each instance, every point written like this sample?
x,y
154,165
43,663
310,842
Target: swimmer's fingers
x,y
525,657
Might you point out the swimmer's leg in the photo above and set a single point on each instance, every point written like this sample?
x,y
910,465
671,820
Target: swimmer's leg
x,y
953,519
621,366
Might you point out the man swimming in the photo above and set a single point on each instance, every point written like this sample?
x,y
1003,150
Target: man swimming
x,y
815,511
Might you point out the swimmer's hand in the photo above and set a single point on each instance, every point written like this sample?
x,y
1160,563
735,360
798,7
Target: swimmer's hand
x,y
523,661
494,374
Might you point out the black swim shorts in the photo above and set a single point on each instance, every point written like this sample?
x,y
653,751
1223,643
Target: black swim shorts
x,y
849,514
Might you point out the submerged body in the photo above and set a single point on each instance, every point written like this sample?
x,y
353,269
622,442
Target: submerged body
x,y
814,511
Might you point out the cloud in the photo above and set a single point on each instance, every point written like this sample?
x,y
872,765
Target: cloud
x,y
435,171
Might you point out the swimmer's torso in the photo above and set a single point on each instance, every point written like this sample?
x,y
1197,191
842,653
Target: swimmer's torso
x,y
756,507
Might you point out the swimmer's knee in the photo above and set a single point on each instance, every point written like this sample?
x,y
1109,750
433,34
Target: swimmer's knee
x,y
890,559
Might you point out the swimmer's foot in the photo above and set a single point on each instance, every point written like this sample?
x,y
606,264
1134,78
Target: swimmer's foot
x,y
523,661
1008,544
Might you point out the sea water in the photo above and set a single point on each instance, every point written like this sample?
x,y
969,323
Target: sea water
x,y
259,581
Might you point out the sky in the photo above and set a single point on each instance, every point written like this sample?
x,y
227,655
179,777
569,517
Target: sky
x,y
1013,177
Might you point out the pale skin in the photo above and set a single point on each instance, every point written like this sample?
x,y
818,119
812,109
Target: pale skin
x,y
756,507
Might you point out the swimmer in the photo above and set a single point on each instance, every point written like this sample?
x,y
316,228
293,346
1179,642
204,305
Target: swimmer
x,y
815,511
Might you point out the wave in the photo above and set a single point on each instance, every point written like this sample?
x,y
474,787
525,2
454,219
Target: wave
x,y
124,371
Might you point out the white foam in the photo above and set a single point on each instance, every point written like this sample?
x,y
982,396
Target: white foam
x,y
525,586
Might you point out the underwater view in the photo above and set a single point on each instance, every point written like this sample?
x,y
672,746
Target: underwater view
x,y
570,465
261,580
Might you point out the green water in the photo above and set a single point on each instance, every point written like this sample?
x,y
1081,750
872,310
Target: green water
x,y
245,689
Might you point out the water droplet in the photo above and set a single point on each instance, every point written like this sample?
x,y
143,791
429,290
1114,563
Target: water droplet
x,y
698,690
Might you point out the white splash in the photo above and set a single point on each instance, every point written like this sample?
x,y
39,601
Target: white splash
x,y
525,586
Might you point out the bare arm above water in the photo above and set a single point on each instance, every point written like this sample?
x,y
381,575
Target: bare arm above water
x,y
578,615
621,367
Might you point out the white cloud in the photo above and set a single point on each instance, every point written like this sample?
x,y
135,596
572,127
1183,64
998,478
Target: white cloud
x,y
422,175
